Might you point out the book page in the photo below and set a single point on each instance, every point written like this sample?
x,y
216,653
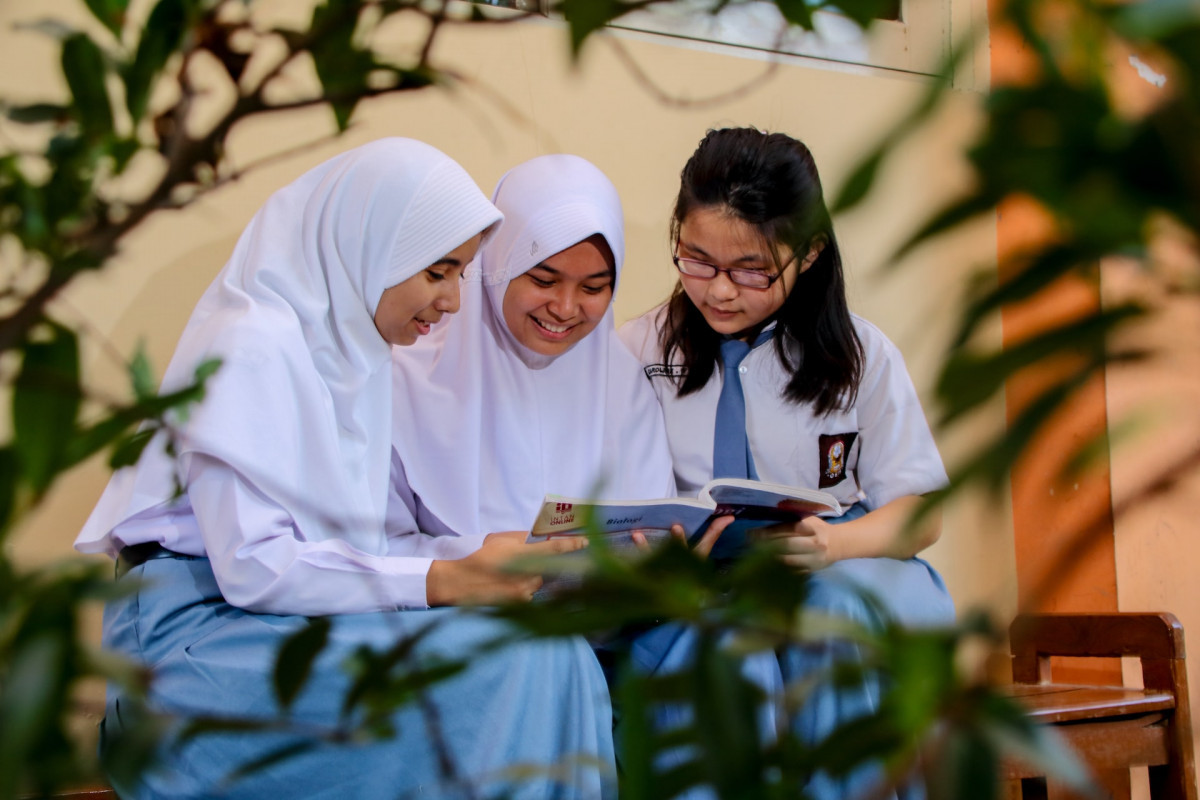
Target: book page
x,y
784,501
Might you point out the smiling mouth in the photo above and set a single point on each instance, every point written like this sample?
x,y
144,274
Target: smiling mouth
x,y
552,330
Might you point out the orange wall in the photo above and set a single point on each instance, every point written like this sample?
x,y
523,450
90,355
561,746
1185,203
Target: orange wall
x,y
1137,509
1062,525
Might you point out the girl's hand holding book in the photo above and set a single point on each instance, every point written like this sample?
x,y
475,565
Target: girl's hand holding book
x,y
483,577
805,546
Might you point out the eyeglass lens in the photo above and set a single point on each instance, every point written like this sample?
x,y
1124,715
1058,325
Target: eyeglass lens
x,y
752,278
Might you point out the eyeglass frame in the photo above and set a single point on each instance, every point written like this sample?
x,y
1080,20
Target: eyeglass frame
x,y
729,271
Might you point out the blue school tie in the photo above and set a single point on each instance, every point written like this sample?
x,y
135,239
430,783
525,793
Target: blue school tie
x,y
731,446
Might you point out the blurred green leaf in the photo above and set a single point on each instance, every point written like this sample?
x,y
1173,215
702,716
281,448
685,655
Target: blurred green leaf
x,y
863,176
992,461
921,671
33,678
162,36
799,12
37,113
84,68
293,664
46,399
864,12
198,726
130,747
129,450
1048,265
725,705
271,758
111,13
1012,734
585,17
342,66
9,478
967,768
382,681
123,151
53,28
856,187
969,378
1158,19
632,731
141,376
954,215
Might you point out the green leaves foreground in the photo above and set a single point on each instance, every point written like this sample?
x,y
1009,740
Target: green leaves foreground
x,y
934,721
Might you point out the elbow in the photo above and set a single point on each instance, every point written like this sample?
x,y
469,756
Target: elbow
x,y
246,584
927,531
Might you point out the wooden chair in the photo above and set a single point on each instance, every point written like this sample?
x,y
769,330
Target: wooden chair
x,y
1109,727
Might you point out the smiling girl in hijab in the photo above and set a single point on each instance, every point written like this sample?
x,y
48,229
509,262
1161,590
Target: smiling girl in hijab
x,y
543,396
288,512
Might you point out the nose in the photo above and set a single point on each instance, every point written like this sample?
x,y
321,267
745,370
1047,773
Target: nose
x,y
721,287
564,302
448,299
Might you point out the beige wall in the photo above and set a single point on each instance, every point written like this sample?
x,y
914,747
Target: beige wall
x,y
602,113
1156,460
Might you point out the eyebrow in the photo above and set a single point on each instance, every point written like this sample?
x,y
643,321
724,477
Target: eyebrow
x,y
749,258
447,261
604,273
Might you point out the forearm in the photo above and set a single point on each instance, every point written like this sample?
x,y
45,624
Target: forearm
x,y
262,565
884,532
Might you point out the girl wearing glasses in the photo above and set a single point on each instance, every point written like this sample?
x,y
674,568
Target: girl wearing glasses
x,y
763,372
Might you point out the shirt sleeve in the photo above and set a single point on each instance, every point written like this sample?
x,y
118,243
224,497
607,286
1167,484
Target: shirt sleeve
x,y
262,565
898,455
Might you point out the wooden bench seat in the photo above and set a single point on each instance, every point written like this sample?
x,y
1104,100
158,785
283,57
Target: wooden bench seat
x,y
1109,727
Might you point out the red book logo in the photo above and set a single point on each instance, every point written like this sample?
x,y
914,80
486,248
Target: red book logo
x,y
561,507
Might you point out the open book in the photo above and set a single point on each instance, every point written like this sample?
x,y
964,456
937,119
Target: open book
x,y
755,504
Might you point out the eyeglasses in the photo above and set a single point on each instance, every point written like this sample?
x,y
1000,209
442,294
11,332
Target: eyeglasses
x,y
750,278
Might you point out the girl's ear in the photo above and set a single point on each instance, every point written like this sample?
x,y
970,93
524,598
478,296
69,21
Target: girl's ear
x,y
813,252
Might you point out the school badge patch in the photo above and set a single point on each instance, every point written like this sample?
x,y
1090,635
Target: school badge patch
x,y
834,449
665,370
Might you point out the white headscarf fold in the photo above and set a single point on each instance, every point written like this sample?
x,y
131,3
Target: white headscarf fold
x,y
301,406
485,427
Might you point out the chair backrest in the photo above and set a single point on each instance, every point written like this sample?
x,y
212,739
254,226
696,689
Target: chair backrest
x,y
1156,639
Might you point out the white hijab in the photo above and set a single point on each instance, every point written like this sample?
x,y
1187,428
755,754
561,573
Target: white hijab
x,y
301,406
484,427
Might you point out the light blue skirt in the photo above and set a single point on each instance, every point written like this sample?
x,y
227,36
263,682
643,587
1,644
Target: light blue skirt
x,y
530,719
867,591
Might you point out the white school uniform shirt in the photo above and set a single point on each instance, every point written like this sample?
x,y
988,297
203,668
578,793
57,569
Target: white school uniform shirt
x,y
875,452
286,461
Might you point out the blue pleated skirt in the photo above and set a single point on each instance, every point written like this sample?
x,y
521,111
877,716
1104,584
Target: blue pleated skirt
x,y
527,719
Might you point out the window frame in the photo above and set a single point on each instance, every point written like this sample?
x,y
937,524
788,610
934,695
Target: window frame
x,y
919,42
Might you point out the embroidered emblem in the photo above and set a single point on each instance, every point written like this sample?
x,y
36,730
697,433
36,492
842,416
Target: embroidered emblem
x,y
834,449
533,248
665,370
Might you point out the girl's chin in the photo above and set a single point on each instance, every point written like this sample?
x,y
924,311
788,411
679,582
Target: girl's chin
x,y
727,324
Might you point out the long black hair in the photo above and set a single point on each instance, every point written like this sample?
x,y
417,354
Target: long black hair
x,y
770,181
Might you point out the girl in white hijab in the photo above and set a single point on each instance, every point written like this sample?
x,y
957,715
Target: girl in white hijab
x,y
544,396
287,511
